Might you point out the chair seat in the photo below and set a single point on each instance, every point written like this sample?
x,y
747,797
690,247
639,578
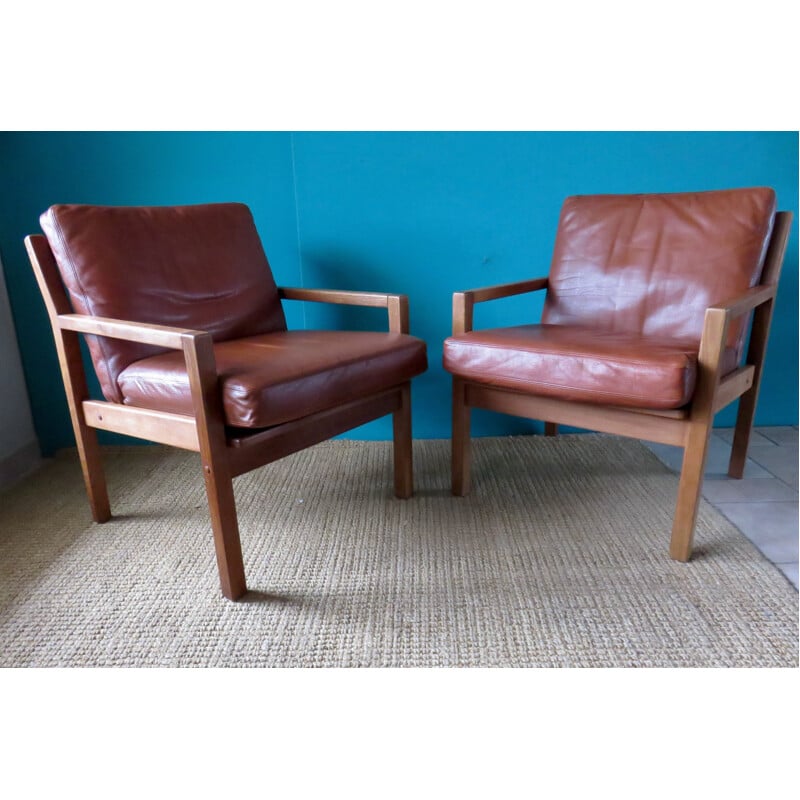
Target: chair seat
x,y
581,364
278,377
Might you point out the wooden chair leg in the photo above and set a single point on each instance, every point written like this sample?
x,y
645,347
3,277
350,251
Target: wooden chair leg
x,y
199,354
551,429
691,482
747,402
224,523
85,437
461,443
403,456
92,466
741,436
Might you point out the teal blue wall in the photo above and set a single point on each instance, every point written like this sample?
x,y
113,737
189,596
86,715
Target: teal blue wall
x,y
420,213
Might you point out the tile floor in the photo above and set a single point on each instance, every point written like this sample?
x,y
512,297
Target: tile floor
x,y
763,505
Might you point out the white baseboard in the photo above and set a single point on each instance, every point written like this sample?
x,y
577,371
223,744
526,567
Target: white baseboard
x,y
19,463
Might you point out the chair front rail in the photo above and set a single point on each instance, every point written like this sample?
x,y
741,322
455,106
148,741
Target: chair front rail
x,y
608,419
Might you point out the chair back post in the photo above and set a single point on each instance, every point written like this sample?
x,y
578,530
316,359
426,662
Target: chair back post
x,y
756,351
762,316
47,276
57,302
776,250
71,362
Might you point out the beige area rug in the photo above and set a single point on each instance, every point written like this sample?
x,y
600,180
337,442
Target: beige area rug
x,y
558,558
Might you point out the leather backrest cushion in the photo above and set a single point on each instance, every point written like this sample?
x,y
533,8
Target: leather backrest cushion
x,y
652,263
200,267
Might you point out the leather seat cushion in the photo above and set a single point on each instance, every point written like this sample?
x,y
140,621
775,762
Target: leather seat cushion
x,y
282,376
581,364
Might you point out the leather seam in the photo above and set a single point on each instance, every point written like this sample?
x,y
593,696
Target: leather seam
x,y
571,355
563,386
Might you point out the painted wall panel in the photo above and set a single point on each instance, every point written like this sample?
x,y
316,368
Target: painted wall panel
x,y
40,169
421,213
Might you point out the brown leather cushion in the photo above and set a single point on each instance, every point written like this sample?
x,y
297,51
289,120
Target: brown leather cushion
x,y
652,263
277,377
200,267
581,364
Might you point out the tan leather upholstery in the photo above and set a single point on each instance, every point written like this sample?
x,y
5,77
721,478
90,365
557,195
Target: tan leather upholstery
x,y
581,364
201,267
631,279
278,377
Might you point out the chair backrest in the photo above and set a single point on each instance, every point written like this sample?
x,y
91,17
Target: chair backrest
x,y
652,263
200,267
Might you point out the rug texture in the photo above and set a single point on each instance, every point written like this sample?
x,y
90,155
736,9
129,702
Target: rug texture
x,y
558,558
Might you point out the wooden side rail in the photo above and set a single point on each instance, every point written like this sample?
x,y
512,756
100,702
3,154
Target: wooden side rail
x,y
746,301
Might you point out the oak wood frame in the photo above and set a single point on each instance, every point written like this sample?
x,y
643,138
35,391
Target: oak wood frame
x,y
688,427
223,456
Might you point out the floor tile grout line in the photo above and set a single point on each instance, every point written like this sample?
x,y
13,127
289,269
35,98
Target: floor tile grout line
x,y
777,477
750,502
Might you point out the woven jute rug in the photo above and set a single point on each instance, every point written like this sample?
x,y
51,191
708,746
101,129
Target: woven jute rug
x,y
558,558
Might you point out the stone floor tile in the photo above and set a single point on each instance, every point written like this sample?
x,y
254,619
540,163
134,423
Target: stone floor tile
x,y
790,571
747,490
757,439
782,462
771,526
716,464
780,434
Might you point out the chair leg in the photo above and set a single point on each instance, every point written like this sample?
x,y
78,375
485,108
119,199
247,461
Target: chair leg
x,y
691,482
92,466
403,455
222,508
551,429
69,356
741,436
462,443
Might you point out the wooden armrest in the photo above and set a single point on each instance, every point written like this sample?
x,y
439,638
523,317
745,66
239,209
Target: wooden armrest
x,y
717,321
463,302
396,304
714,392
333,296
198,355
142,332
747,301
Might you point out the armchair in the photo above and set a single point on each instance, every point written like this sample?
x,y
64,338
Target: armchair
x,y
187,336
642,333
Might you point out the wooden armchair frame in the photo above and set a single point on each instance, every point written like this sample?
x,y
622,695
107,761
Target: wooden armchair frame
x,y
688,427
223,457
